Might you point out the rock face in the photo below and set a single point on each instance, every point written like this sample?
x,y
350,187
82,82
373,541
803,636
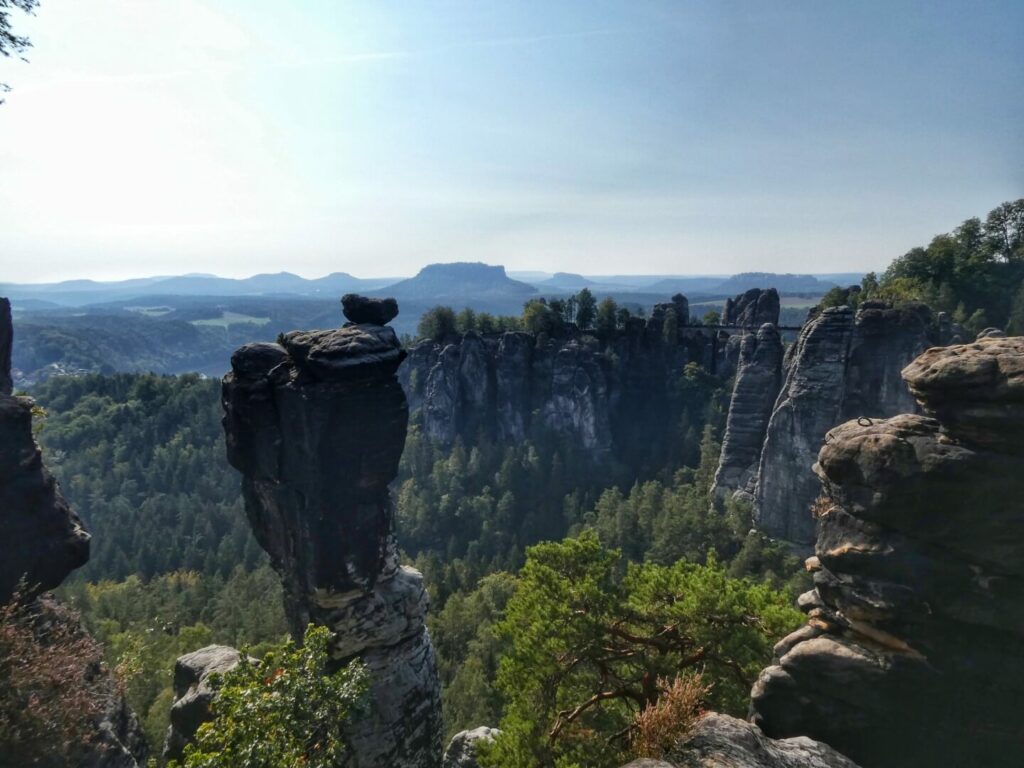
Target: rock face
x,y
317,425
844,365
752,309
607,398
193,694
911,656
43,539
6,346
461,751
758,379
720,741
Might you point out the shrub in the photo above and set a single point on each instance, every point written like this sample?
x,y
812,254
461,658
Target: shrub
x,y
659,727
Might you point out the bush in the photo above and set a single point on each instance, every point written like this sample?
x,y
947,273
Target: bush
x,y
52,691
657,729
284,710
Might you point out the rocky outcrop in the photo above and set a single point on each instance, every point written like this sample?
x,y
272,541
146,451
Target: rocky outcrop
x,y
845,364
193,694
720,741
752,309
43,539
609,397
758,379
6,347
911,655
317,424
462,749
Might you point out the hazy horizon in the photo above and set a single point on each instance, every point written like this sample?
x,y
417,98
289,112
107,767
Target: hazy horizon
x,y
238,138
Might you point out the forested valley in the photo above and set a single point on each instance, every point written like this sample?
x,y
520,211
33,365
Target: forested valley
x,y
514,540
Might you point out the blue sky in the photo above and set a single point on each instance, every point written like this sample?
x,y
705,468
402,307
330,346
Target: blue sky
x,y
239,136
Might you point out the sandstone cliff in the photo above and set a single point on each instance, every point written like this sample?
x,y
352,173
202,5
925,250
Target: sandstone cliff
x,y
911,656
844,364
317,424
758,378
609,396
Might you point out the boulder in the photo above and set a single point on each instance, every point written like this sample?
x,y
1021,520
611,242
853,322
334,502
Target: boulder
x,y
363,309
193,694
461,751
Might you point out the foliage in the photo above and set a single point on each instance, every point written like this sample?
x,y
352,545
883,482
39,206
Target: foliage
x,y
288,709
51,695
468,651
661,726
142,460
145,626
438,324
11,43
976,271
590,637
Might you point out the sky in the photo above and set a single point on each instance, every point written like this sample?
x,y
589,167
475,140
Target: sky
x,y
240,136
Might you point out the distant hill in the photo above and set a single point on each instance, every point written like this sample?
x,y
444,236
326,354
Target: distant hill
x,y
459,283
76,293
685,285
568,280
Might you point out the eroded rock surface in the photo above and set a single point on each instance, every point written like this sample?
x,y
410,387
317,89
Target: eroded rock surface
x,y
911,656
752,309
720,741
363,309
193,693
317,425
43,539
844,365
462,749
758,379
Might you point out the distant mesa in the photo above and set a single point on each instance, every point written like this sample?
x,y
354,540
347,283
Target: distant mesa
x,y
459,281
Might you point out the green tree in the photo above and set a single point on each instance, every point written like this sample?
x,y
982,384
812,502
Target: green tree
x,y
1015,326
711,317
586,308
607,312
466,321
590,638
437,324
284,710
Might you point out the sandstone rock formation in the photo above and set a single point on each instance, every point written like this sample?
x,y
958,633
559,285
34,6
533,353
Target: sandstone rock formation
x,y
845,364
758,379
607,397
752,309
43,541
720,741
317,424
911,656
363,309
193,693
6,347
461,751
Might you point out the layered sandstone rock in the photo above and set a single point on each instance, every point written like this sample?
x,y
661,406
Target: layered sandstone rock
x,y
844,365
462,749
758,379
317,424
911,656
